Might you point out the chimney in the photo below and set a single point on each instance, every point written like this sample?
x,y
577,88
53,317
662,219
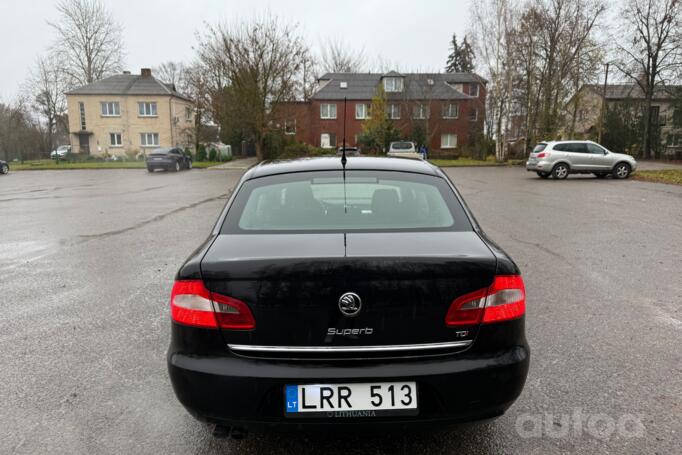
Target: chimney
x,y
146,72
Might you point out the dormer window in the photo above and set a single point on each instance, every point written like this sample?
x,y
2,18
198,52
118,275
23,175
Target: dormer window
x,y
473,90
393,84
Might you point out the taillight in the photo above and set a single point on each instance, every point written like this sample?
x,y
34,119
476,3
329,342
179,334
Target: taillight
x,y
543,155
505,299
193,304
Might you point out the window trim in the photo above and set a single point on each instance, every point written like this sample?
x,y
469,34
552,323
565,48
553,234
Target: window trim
x,y
365,114
394,82
424,111
446,111
292,132
143,143
81,112
143,112
328,116
442,144
115,105
120,141
475,117
332,144
391,106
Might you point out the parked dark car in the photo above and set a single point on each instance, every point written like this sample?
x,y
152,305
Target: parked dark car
x,y
4,167
169,159
363,297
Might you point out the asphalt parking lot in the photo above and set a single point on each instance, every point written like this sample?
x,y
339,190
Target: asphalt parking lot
x,y
87,260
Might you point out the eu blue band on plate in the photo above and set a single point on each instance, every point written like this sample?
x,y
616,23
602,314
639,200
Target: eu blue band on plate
x,y
292,398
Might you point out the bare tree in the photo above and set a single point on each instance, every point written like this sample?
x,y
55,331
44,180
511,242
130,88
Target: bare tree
x,y
19,134
651,51
492,23
172,73
89,41
536,55
46,87
260,63
337,57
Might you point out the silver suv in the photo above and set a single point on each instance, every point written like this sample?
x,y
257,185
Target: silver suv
x,y
560,158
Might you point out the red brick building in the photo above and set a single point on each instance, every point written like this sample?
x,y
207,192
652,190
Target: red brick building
x,y
448,106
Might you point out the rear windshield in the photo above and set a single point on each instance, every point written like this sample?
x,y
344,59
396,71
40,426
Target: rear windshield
x,y
401,145
539,148
160,151
369,201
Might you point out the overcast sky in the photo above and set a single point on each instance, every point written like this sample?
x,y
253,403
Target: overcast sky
x,y
414,33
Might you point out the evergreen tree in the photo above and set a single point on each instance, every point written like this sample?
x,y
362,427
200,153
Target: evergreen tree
x,y
461,58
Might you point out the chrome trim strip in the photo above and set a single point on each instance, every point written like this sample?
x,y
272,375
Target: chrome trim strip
x,y
384,348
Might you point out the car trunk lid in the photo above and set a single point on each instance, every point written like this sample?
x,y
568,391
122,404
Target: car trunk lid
x,y
293,284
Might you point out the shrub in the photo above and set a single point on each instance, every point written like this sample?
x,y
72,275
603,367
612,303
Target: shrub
x,y
213,155
201,153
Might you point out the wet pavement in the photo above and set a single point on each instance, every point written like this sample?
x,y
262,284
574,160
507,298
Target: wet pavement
x,y
88,258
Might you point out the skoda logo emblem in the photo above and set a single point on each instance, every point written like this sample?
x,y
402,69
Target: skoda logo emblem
x,y
350,304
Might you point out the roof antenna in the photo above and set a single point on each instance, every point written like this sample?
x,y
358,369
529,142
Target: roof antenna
x,y
343,145
343,158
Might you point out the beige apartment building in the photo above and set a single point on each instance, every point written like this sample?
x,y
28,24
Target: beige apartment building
x,y
128,114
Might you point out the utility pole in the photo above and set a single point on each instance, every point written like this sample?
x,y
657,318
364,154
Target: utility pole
x,y
603,104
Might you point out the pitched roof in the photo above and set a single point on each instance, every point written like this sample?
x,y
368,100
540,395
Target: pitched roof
x,y
362,86
128,84
633,91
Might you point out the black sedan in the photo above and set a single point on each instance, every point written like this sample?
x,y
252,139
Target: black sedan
x,y
356,296
169,159
4,167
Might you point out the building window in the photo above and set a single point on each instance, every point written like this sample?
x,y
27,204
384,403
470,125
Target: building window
x,y
327,111
393,111
110,109
361,111
677,118
473,90
147,109
115,139
473,115
674,140
420,111
450,110
81,110
188,114
393,84
448,141
290,127
149,139
328,140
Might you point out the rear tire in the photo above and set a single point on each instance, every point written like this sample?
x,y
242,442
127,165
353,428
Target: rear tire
x,y
560,171
600,175
543,175
189,165
621,171
177,167
150,169
4,169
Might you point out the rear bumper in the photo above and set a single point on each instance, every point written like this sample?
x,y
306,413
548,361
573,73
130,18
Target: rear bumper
x,y
538,166
161,165
249,393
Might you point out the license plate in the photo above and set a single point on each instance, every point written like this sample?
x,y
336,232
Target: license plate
x,y
351,400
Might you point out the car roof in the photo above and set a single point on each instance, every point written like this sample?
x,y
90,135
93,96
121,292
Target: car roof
x,y
333,163
569,140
